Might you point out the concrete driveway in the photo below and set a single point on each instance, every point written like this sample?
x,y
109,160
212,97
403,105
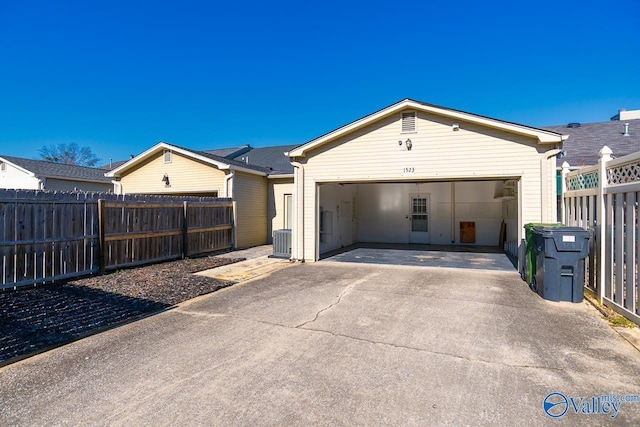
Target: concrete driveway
x,y
338,344
426,258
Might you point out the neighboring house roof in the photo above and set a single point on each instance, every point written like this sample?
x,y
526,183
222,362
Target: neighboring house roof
x,y
113,165
587,139
43,169
230,153
543,136
215,160
269,157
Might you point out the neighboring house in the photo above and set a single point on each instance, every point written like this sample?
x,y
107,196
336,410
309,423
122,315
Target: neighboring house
x,y
585,140
258,190
280,183
28,174
113,165
419,173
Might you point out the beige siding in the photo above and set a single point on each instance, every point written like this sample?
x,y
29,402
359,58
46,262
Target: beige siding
x,y
278,188
186,175
438,153
53,184
250,197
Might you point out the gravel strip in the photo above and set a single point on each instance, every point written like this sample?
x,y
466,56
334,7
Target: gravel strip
x,y
35,319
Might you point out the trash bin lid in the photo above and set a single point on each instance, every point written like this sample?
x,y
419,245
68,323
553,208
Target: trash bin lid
x,y
532,225
559,229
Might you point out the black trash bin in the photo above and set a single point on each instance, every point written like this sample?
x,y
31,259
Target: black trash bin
x,y
560,254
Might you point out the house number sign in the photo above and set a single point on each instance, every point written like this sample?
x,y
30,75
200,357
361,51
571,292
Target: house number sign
x,y
408,170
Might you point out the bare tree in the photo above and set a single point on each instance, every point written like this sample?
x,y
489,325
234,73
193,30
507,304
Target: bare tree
x,y
69,154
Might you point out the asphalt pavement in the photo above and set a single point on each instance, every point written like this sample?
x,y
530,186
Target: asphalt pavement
x,y
335,343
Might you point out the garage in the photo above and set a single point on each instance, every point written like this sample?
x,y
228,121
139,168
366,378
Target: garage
x,y
416,173
465,212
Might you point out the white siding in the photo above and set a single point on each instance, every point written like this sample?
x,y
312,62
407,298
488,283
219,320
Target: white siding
x,y
373,153
15,178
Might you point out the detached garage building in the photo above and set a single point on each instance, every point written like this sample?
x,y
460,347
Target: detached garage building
x,y
419,173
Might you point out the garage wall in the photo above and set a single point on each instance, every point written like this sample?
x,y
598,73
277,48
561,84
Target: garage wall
x,y
383,211
475,202
438,153
338,216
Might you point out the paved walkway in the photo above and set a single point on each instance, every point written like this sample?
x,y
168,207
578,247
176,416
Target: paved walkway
x,y
258,263
339,344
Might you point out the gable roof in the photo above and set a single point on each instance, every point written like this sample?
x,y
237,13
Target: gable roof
x,y
584,142
44,169
269,157
543,136
203,156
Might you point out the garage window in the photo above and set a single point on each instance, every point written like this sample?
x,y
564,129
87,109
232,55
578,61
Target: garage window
x,y
408,121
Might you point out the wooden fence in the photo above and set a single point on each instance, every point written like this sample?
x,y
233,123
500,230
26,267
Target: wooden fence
x,y
46,236
605,199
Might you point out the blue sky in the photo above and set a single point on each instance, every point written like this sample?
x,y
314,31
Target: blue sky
x,y
119,76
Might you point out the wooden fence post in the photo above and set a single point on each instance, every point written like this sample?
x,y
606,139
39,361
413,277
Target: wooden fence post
x,y
101,242
185,230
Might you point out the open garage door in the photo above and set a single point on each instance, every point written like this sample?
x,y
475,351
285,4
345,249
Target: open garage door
x,y
478,212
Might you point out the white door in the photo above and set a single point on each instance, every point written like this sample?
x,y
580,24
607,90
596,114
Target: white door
x,y
419,219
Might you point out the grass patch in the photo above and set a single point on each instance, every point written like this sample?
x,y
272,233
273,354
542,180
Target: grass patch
x,y
612,317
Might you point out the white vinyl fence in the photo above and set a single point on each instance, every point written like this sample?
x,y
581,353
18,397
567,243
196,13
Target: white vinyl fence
x,y
604,199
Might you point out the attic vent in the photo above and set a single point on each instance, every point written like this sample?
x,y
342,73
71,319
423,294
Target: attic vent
x,y
573,125
3,166
167,156
409,121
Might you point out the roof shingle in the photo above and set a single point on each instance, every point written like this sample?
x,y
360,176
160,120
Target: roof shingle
x,y
44,169
272,158
585,141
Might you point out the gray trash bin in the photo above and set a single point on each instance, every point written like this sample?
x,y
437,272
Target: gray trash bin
x,y
560,254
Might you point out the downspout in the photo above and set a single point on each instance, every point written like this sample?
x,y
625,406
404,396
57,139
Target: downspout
x,y
298,196
453,212
544,190
228,193
117,186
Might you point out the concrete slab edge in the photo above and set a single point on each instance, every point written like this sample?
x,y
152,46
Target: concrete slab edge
x,y
631,335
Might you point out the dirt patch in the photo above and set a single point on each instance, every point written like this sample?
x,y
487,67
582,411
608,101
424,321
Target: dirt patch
x,y
167,283
36,319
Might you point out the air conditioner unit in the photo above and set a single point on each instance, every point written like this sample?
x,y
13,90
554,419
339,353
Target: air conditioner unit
x,y
282,243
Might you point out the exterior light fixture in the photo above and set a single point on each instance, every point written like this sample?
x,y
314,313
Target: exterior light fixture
x,y
455,127
408,144
165,179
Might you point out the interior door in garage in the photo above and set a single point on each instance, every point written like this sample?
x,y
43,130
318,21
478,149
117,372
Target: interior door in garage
x,y
419,219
